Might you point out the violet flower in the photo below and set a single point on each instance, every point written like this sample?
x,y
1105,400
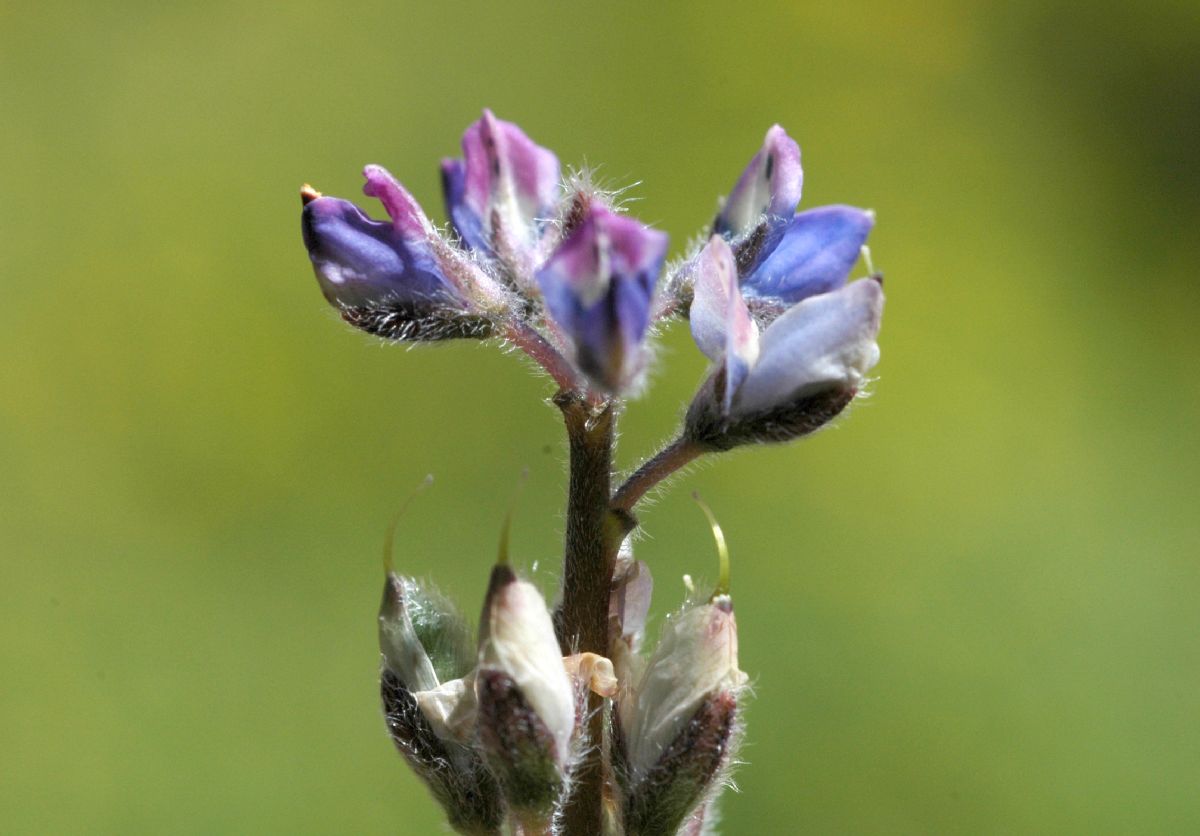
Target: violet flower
x,y
560,723
598,285
782,257
399,279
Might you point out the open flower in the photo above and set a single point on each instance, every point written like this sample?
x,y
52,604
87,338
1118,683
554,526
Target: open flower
x,y
598,285
794,376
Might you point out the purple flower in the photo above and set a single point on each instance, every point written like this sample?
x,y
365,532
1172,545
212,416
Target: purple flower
x,y
359,261
770,186
503,195
783,257
795,375
399,279
597,286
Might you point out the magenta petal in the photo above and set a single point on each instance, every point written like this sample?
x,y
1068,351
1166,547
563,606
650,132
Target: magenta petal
x,y
401,206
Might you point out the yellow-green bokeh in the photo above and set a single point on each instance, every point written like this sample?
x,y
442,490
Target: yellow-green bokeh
x,y
974,607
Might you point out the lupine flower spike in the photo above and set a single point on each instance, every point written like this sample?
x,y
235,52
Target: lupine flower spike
x,y
564,724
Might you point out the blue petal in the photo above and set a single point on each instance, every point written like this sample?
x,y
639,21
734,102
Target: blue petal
x,y
465,220
359,261
814,255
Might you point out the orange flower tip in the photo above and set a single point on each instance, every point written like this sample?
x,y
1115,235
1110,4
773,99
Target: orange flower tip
x,y
308,194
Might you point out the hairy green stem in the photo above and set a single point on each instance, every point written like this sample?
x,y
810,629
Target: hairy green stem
x,y
677,454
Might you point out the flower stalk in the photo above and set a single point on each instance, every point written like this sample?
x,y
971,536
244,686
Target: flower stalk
x,y
593,536
674,457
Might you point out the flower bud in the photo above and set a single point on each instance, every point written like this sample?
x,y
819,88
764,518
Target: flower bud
x,y
686,770
502,196
680,725
422,637
397,280
423,642
598,285
525,698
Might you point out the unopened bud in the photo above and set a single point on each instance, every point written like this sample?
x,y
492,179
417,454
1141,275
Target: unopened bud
x,y
598,287
679,725
501,196
770,187
455,774
682,725
696,657
685,771
525,699
426,646
423,639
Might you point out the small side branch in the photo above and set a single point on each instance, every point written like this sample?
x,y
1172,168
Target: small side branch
x,y
526,338
678,454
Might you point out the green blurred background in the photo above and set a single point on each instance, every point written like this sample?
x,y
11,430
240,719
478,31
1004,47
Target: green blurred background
x,y
974,607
